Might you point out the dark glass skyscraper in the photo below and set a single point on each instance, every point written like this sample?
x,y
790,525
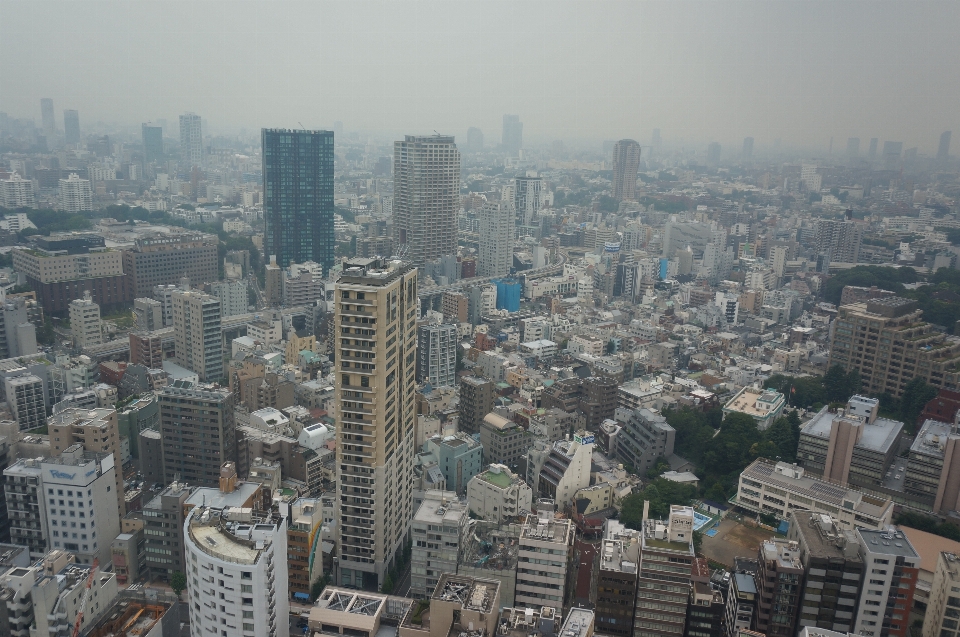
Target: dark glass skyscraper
x,y
298,196
152,143
71,126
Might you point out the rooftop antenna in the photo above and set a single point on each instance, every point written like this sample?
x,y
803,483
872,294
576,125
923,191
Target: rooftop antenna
x,y
302,126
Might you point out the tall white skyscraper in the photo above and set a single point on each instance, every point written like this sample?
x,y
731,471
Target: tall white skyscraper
x,y
85,322
197,340
191,141
527,198
626,163
426,196
496,239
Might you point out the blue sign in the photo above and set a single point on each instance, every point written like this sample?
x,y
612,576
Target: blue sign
x,y
60,475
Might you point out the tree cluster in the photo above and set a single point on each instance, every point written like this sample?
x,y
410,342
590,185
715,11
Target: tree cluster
x,y
928,524
813,392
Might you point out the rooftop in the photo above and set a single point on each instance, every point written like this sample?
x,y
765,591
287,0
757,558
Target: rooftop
x,y
444,511
878,436
823,538
579,623
755,402
889,541
932,437
239,540
546,529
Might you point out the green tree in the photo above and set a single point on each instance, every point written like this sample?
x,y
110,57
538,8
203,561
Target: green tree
x,y
697,542
784,434
317,587
916,394
178,582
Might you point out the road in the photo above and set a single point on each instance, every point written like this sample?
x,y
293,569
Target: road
x,y
403,587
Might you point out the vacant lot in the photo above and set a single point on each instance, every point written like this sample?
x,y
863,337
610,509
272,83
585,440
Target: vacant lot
x,y
733,540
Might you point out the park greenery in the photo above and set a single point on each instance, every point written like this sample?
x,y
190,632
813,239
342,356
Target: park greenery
x,y
928,524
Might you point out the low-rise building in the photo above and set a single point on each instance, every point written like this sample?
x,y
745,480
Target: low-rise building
x,y
546,552
777,489
563,469
644,436
763,405
459,457
503,441
498,494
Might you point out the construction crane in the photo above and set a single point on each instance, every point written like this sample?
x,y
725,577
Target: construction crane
x,y
86,596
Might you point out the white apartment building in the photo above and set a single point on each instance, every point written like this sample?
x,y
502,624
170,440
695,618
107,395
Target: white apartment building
x,y
236,573
498,494
17,192
437,528
80,501
25,400
891,568
780,488
564,470
546,550
85,322
233,296
496,239
75,194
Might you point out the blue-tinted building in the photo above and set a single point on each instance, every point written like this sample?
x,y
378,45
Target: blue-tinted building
x,y
298,196
508,294
459,457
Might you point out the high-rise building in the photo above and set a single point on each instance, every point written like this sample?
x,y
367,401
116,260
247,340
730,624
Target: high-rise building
x,y
426,197
713,153
437,354
375,315
496,239
891,155
617,579
48,119
305,561
705,608
840,241
512,136
234,296
872,153
85,322
18,336
84,482
892,568
163,517
95,430
926,352
152,143
474,140
779,586
199,433
542,582
853,147
250,552
664,542
476,401
198,342
75,194
747,153
298,196
191,140
71,127
940,620
166,259
441,519
943,150
149,314
27,514
644,437
656,143
527,198
25,400
827,601
17,192
626,163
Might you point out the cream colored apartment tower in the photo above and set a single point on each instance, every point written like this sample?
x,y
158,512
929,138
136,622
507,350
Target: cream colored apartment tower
x,y
375,322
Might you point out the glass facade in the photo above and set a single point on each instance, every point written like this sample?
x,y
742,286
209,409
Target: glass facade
x,y
298,196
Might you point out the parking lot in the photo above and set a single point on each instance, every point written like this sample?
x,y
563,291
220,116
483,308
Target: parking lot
x,y
734,540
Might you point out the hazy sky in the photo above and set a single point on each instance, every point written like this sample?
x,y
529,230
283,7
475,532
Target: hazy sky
x,y
799,70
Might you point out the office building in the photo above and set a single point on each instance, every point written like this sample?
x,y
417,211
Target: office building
x,y
375,313
705,608
437,354
96,430
777,489
853,147
48,119
474,140
198,342
747,153
713,154
18,336
617,579
166,259
476,401
75,194
741,604
298,196
891,568
85,322
163,517
146,349
233,295
563,469
25,400
191,140
779,586
80,502
943,608
436,528
900,347
933,468
349,612
512,137
305,556
198,433
839,240
943,149
496,239
891,155
17,192
71,127
827,601
498,495
854,448
644,436
152,143
542,582
504,441
661,608
248,549
626,163
426,197
459,457
527,198
148,314
26,513
303,284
